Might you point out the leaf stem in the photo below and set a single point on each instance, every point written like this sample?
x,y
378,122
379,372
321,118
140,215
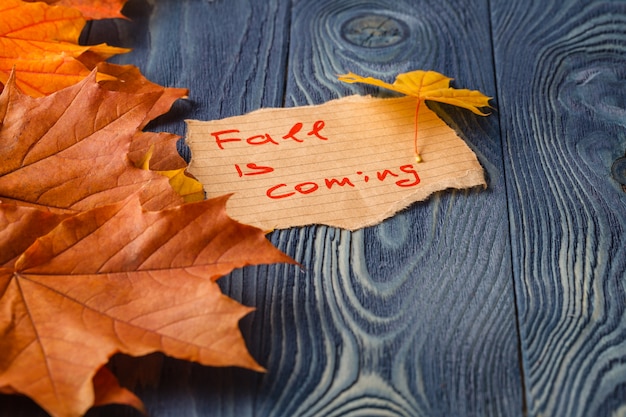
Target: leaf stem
x,y
418,157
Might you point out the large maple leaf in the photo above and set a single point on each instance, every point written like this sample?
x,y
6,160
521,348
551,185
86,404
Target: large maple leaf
x,y
85,270
40,42
68,151
148,284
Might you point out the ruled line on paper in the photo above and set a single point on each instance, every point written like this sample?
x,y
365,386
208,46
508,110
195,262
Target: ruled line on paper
x,y
348,162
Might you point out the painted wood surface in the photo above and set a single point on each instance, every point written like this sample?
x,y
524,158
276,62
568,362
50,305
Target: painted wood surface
x,y
431,312
561,70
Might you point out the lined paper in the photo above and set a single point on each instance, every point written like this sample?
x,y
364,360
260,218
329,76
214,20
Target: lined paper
x,y
348,163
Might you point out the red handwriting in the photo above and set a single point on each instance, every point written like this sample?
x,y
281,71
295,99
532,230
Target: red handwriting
x,y
308,187
227,136
253,169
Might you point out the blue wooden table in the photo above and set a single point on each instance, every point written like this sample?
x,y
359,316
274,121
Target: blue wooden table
x,y
508,301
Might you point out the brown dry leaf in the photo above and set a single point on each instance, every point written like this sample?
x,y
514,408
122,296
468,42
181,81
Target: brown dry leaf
x,y
162,146
84,267
128,79
92,9
114,277
40,42
147,284
25,222
107,390
70,152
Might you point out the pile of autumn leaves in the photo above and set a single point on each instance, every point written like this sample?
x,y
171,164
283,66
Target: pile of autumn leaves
x,y
106,245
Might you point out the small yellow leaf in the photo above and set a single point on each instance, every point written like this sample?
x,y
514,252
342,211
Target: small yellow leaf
x,y
189,188
428,85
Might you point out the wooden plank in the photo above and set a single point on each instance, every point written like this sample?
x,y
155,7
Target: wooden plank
x,y
414,317
561,76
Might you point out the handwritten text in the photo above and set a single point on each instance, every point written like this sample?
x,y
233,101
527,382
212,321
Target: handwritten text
x,y
227,136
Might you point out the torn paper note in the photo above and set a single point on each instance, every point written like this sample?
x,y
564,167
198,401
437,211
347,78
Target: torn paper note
x,y
347,163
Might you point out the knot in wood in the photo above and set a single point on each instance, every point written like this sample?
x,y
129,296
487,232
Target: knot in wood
x,y
618,171
374,31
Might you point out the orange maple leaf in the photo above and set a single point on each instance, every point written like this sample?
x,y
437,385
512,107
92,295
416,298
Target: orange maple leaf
x,y
40,42
150,150
92,9
70,153
85,268
148,284
27,224
128,79
107,390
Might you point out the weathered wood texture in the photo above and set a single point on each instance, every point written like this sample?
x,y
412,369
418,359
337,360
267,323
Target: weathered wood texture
x,y
415,315
561,72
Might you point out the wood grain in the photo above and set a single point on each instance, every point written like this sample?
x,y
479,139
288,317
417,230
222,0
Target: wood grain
x,y
561,76
417,313
414,317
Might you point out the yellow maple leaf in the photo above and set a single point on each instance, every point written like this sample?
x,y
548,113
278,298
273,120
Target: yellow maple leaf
x,y
427,85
